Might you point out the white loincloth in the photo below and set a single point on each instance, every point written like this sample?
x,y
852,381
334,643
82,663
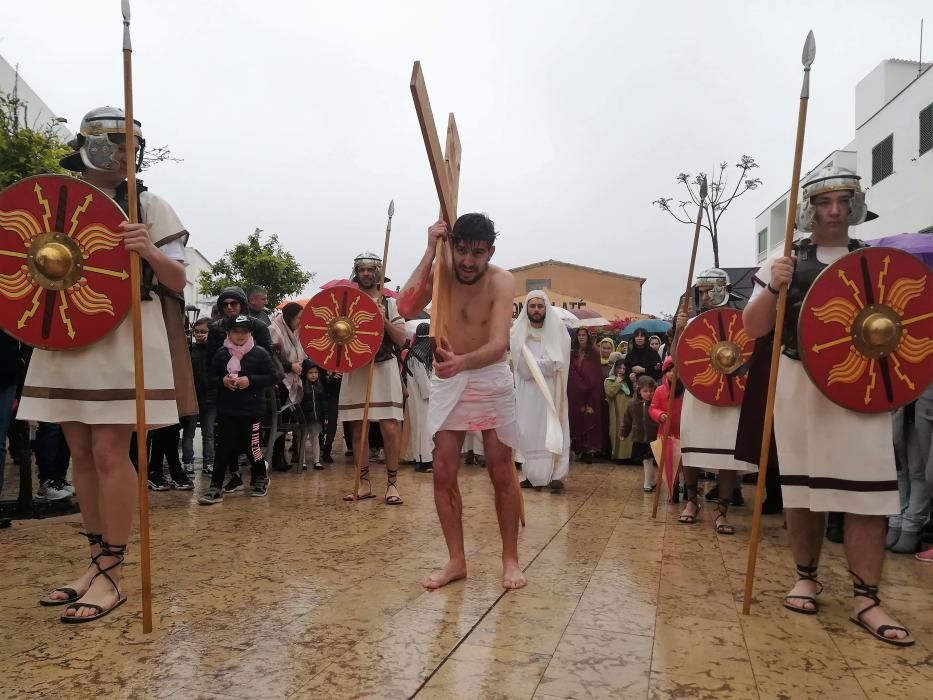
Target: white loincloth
x,y
831,458
385,400
707,436
475,400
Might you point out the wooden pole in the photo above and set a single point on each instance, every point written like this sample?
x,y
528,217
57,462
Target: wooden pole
x,y
521,496
364,426
445,169
677,333
809,52
145,569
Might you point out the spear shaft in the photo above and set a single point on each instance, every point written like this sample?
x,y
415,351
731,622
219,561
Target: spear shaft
x,y
809,53
364,425
677,333
145,568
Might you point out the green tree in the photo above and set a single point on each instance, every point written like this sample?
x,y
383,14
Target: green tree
x,y
25,150
718,201
257,262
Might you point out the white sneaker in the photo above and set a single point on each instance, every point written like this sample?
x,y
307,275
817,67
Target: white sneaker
x,y
52,491
67,485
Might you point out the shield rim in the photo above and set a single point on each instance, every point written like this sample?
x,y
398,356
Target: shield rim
x,y
804,353
379,318
677,359
118,318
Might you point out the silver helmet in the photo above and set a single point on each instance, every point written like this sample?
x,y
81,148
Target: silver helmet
x,y
366,259
712,289
831,180
102,131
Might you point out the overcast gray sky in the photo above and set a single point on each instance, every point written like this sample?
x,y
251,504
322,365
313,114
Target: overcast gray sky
x,y
295,117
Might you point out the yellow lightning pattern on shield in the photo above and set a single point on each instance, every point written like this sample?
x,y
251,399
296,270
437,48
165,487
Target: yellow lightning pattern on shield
x,y
29,313
62,308
886,263
79,210
44,203
853,286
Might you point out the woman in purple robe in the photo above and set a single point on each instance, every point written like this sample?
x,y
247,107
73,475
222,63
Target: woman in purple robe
x,y
585,396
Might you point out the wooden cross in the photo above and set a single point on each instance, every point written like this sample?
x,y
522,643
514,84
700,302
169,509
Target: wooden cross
x,y
446,172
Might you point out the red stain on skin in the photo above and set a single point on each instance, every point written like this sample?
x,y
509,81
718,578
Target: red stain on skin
x,y
408,301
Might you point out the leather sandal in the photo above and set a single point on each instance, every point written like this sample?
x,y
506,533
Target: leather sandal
x,y
114,551
863,590
73,595
805,572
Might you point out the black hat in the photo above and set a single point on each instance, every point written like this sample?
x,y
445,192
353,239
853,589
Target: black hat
x,y
240,321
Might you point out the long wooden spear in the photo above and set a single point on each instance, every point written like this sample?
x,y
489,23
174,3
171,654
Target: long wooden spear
x,y
364,426
809,53
677,333
135,282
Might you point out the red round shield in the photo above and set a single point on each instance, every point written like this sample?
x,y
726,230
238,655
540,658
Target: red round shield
x,y
341,329
64,273
865,331
712,349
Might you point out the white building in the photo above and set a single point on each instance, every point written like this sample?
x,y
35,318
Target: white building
x,y
33,112
193,296
892,151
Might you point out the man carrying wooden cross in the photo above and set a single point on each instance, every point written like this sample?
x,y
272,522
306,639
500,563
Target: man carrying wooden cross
x,y
472,386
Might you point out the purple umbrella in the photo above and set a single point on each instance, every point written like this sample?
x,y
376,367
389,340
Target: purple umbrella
x,y
918,244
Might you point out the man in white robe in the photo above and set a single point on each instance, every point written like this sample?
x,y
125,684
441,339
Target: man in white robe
x,y
540,351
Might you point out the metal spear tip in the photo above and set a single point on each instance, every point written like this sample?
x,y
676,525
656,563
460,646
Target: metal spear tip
x,y
125,5
391,208
703,189
809,50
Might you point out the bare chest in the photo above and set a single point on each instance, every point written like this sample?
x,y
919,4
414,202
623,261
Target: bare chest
x,y
470,315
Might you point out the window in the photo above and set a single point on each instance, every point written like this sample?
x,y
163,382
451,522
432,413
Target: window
x,y
762,241
926,129
532,285
882,160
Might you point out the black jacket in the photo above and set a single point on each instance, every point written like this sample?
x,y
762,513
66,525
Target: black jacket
x,y
257,366
201,368
315,400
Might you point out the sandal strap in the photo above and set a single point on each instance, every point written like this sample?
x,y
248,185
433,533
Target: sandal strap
x,y
392,475
115,551
807,572
860,589
92,537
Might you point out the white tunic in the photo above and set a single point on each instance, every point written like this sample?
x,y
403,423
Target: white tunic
x,y
386,401
95,384
830,458
540,466
707,436
421,445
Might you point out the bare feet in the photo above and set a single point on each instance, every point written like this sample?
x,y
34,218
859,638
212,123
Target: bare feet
x,y
800,593
512,576
876,617
453,570
101,593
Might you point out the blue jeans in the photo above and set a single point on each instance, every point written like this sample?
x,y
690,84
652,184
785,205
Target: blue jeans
x,y
911,477
7,397
208,417
52,453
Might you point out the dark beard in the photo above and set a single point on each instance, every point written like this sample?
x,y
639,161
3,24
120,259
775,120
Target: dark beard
x,y
471,282
536,318
367,284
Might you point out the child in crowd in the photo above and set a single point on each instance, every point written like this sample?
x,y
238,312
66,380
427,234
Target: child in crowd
x,y
207,397
663,409
644,430
314,406
240,370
